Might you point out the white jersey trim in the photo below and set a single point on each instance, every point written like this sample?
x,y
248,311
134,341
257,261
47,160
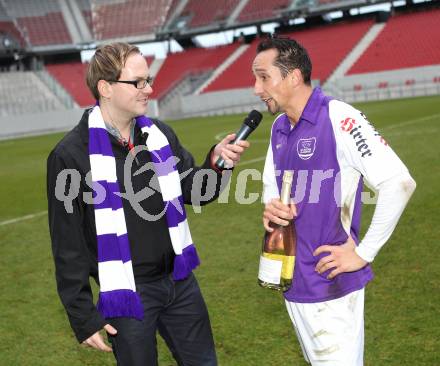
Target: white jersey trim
x,y
270,187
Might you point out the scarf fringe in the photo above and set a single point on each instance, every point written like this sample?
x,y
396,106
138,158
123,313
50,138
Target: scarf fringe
x,y
185,263
119,304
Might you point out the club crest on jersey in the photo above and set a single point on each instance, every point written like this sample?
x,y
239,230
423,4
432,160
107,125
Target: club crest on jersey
x,y
306,148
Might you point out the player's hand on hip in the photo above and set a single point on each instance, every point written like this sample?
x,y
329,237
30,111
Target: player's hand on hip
x,y
231,153
341,258
97,340
277,212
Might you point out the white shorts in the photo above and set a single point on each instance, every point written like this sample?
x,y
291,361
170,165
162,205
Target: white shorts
x,y
331,333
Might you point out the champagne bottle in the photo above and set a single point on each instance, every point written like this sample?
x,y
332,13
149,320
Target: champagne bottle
x,y
277,259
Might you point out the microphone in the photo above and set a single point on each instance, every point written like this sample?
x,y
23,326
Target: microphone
x,y
250,123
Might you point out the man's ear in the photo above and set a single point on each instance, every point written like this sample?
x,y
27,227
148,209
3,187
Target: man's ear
x,y
296,76
104,88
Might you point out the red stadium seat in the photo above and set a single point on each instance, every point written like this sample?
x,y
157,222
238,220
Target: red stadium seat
x,y
327,46
261,9
128,18
407,40
40,23
202,12
9,28
44,30
179,65
72,76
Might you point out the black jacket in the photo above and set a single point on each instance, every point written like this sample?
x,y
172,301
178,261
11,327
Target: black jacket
x,y
74,234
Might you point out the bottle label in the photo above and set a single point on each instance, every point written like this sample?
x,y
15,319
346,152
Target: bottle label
x,y
270,270
288,266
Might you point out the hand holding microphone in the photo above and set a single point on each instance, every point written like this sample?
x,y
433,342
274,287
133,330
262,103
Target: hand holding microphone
x,y
234,146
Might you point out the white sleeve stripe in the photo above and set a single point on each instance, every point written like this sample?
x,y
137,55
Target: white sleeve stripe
x,y
270,188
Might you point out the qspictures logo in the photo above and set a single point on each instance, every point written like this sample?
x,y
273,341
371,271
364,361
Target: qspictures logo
x,y
203,185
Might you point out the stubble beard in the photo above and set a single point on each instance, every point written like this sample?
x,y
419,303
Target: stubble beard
x,y
276,108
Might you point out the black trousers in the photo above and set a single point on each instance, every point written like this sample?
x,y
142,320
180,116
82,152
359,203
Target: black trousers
x,y
177,310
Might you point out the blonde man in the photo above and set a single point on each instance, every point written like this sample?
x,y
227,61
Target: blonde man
x,y
132,232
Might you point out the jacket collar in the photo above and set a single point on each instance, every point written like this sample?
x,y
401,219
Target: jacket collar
x,y
84,130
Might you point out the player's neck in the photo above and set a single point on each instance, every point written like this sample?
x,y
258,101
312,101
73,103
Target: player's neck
x,y
298,103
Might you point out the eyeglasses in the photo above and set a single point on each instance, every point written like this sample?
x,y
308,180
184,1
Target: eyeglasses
x,y
138,84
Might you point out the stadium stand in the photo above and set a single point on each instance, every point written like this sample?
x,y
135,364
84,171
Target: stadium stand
x,y
354,58
8,28
40,22
86,10
177,66
238,74
127,18
72,76
327,45
262,9
150,60
321,2
407,40
24,92
173,7
201,12
3,14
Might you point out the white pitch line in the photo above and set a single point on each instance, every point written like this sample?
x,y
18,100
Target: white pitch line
x,y
412,133
23,218
220,136
250,161
411,122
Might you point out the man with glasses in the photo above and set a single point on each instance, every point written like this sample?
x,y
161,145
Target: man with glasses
x,y
131,232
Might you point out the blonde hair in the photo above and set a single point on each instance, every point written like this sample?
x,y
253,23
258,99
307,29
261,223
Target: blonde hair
x,y
107,64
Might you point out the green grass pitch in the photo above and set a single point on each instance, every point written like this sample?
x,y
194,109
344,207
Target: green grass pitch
x,y
250,324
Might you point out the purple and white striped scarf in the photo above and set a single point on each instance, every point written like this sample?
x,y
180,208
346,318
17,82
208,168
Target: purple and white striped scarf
x,y
118,296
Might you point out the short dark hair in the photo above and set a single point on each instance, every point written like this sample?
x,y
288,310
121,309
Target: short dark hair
x,y
291,55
